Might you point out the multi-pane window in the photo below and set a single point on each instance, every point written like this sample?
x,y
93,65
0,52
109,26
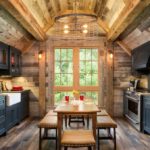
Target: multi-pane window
x,y
76,69
88,67
63,67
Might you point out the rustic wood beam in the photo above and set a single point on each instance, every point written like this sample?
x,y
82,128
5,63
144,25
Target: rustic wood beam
x,y
103,25
43,6
42,79
124,47
128,14
18,10
27,48
138,20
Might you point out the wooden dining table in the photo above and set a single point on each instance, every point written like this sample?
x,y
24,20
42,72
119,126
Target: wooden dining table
x,y
80,108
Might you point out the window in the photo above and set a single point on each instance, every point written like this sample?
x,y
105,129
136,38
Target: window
x,y
76,69
63,67
88,67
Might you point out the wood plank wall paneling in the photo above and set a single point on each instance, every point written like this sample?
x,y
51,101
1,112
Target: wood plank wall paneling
x,y
30,77
122,70
137,37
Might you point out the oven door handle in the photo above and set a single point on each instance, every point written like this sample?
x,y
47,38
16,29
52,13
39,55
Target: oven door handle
x,y
135,122
133,99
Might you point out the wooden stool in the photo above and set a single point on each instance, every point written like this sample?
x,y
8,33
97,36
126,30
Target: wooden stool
x,y
78,138
48,122
106,122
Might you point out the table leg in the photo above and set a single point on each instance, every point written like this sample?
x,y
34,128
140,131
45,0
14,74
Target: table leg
x,y
59,130
94,121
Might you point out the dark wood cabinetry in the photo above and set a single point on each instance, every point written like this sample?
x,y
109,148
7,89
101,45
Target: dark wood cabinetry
x,y
146,114
10,60
2,115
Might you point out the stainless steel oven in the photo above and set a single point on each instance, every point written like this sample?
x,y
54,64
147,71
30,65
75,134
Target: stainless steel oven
x,y
133,109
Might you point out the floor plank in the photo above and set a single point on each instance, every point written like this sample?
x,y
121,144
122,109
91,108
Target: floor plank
x,y
25,137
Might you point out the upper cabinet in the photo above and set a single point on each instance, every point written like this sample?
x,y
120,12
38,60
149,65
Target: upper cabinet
x,y
15,62
10,60
4,50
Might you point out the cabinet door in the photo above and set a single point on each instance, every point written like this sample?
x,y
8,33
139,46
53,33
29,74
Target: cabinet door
x,y
3,56
146,115
24,106
15,63
12,115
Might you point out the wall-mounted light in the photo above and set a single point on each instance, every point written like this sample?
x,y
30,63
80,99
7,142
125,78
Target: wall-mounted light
x,y
40,55
110,54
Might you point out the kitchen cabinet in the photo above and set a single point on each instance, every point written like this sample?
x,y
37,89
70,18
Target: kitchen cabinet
x,y
24,105
12,115
10,60
4,52
2,115
146,114
15,62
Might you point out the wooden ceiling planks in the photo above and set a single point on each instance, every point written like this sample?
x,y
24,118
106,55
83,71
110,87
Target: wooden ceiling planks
x,y
138,20
63,4
22,14
12,32
128,14
55,5
101,7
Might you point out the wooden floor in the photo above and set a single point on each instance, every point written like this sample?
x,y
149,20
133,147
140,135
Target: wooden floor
x,y
25,137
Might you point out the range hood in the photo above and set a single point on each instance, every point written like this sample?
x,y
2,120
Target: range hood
x,y
141,58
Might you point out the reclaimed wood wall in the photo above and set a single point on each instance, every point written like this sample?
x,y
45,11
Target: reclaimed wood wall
x,y
122,70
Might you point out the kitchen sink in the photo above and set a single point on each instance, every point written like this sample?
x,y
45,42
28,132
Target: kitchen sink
x,y
12,98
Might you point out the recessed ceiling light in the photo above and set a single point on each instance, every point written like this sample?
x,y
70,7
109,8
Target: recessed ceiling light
x,y
66,31
85,31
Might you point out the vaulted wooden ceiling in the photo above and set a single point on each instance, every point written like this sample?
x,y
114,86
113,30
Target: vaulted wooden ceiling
x,y
24,21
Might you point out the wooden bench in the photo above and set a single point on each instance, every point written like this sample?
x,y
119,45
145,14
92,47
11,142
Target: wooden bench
x,y
106,122
51,113
48,122
103,112
78,138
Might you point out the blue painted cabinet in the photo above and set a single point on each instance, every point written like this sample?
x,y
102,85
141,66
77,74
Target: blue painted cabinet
x,y
146,114
24,105
10,60
12,115
4,53
2,115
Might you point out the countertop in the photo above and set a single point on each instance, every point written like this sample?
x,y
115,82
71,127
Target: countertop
x,y
15,91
